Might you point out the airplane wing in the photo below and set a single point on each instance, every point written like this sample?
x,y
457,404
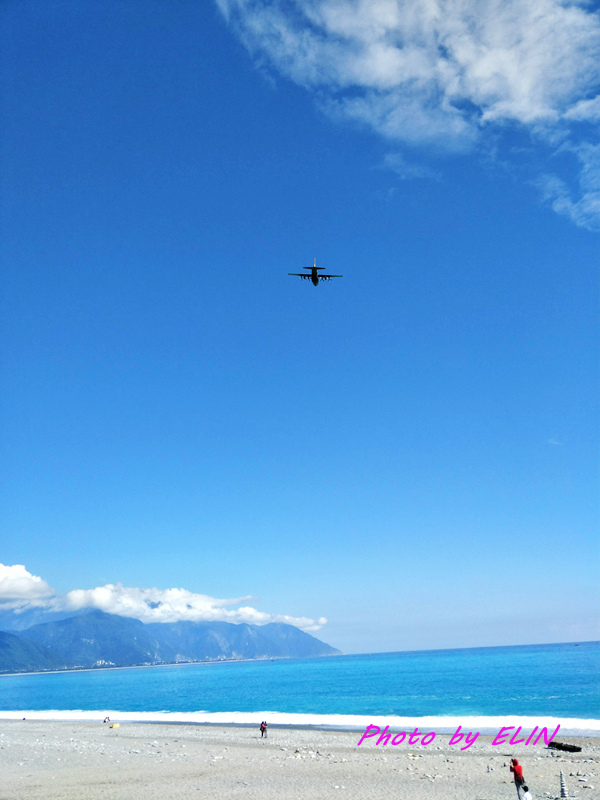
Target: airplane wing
x,y
321,277
300,274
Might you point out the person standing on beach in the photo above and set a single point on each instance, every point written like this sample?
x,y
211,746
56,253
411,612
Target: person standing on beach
x,y
263,729
527,794
517,770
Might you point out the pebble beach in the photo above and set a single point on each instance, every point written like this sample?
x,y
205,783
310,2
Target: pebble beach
x,y
92,761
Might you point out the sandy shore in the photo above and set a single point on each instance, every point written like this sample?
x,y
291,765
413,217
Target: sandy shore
x,y
91,761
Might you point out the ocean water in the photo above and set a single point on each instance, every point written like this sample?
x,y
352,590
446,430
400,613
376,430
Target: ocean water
x,y
537,682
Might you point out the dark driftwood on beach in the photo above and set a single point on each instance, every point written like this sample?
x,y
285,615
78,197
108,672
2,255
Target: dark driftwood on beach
x,y
571,748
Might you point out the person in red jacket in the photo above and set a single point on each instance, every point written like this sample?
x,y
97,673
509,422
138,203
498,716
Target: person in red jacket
x,y
517,770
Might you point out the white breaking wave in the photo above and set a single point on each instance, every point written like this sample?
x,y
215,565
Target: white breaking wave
x,y
569,726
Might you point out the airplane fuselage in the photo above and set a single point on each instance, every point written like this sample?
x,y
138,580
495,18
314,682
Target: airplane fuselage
x,y
313,275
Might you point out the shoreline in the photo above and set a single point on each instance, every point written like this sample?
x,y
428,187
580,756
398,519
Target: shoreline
x,y
282,658
68,670
444,725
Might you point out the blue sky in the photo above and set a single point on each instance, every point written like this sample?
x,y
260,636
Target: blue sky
x,y
410,451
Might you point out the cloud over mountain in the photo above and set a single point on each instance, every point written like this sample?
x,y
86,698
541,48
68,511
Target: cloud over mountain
x,y
449,75
22,591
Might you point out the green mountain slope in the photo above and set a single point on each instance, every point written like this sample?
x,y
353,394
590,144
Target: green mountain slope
x,y
96,639
20,655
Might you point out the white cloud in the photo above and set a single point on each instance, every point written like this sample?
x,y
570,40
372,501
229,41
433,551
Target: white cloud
x,y
19,587
407,170
581,205
585,110
20,590
172,605
438,73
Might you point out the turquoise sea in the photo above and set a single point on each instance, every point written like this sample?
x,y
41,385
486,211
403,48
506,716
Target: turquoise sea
x,y
557,680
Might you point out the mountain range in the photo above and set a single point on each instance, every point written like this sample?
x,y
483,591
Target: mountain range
x,y
97,639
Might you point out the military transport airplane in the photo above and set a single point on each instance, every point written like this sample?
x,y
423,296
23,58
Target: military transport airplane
x,y
313,274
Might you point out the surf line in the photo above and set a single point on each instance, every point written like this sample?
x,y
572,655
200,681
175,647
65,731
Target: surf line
x,y
469,736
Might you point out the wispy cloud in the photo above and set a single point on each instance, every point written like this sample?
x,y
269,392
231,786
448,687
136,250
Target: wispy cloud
x,y
447,75
581,205
20,590
408,170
